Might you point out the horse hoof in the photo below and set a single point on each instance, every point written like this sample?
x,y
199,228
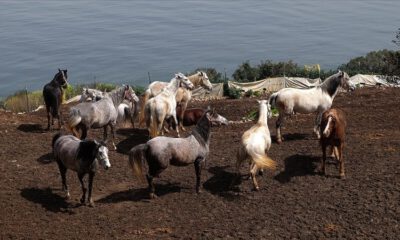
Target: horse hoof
x,y
342,176
82,201
91,204
152,196
279,141
256,189
198,191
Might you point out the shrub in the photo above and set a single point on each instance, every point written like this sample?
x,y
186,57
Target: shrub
x,y
23,101
139,90
232,93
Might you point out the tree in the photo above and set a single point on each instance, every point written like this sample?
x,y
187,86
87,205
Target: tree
x,y
246,73
397,38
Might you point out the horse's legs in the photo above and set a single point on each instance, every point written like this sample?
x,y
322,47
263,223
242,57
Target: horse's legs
x,y
63,171
341,160
176,125
59,116
105,135
151,186
112,126
180,117
91,176
48,117
80,176
253,173
323,166
84,131
197,167
279,124
317,124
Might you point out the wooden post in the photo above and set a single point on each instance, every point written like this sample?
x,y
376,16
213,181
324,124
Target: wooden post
x,y
148,74
27,99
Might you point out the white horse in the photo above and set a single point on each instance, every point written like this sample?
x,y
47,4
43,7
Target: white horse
x,y
255,142
316,99
183,95
163,106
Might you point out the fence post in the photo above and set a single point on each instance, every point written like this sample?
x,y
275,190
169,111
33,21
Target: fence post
x,y
27,99
148,74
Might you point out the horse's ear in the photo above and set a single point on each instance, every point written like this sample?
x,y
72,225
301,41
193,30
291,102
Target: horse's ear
x,y
200,73
65,70
59,70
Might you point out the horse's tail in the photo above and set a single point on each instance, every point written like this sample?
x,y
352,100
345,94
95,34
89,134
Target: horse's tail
x,y
272,99
74,119
127,114
55,137
151,117
241,156
137,156
142,113
260,158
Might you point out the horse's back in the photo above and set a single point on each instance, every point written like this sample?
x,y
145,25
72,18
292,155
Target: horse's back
x,y
257,135
65,149
157,87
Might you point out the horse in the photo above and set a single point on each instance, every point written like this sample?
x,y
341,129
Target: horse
x,y
192,115
160,152
81,156
126,110
93,95
102,113
183,95
53,95
163,106
317,99
333,127
255,143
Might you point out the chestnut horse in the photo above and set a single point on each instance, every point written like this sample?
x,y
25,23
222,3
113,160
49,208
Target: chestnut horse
x,y
333,127
183,95
192,115
53,94
255,143
317,99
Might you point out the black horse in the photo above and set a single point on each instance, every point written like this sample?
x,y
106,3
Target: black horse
x,y
52,94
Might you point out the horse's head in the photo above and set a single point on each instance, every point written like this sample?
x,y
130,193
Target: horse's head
x,y
345,82
215,118
264,104
204,81
129,94
102,154
184,81
61,77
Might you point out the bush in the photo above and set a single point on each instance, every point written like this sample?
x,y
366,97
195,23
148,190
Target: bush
x,y
249,93
139,90
23,101
232,93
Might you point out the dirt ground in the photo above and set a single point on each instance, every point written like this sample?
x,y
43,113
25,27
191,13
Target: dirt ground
x,y
294,202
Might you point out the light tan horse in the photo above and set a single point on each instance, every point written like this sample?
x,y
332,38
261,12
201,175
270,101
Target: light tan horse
x,y
255,142
163,106
182,97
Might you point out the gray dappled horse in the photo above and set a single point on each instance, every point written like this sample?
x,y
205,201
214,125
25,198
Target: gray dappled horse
x,y
317,99
160,152
100,114
126,110
53,94
81,156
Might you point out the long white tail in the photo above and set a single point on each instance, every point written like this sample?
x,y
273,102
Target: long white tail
x,y
74,119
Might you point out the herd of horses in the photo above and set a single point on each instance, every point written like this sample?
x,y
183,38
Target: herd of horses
x,y
164,106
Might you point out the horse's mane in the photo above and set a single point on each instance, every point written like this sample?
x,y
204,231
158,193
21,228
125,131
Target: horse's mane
x,y
202,130
331,84
87,151
117,95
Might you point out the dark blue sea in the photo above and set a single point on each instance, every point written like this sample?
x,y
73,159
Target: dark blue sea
x,y
123,41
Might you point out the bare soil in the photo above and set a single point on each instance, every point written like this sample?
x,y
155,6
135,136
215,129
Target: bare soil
x,y
295,202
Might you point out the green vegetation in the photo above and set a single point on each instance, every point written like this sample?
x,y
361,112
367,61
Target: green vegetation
x,y
23,101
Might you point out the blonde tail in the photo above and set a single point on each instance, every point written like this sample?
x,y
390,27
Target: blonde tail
x,y
261,160
136,158
142,113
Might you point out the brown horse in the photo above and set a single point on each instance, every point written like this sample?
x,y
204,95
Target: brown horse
x,y
191,116
183,95
52,94
333,127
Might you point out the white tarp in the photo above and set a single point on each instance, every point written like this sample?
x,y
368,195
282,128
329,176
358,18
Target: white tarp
x,y
276,84
217,91
361,80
